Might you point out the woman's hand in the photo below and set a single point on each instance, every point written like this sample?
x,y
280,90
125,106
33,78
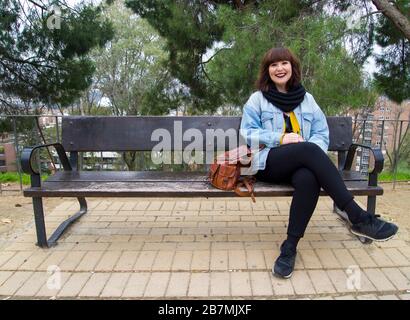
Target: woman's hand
x,y
292,138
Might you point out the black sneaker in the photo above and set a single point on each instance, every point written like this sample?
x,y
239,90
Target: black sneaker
x,y
285,263
374,228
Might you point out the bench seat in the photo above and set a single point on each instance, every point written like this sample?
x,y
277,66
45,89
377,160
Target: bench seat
x,y
166,184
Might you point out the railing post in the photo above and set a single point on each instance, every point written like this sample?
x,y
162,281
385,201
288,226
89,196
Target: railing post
x,y
361,149
16,147
381,136
57,130
396,157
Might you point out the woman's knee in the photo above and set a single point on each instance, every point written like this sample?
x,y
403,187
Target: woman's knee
x,y
305,178
311,148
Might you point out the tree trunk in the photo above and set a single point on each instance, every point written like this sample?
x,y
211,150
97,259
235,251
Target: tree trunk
x,y
394,15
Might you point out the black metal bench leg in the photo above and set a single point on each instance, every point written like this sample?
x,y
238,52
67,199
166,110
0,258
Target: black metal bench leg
x,y
40,225
371,204
39,220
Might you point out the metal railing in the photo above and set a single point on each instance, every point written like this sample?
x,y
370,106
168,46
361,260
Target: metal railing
x,y
26,130
389,135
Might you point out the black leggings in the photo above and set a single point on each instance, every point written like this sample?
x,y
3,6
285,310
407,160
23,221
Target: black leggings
x,y
307,168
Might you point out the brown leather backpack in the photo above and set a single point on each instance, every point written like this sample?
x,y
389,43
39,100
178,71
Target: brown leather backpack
x,y
225,172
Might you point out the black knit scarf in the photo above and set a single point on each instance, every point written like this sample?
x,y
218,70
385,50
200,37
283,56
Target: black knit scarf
x,y
286,102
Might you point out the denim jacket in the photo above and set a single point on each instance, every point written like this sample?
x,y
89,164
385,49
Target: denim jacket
x,y
262,123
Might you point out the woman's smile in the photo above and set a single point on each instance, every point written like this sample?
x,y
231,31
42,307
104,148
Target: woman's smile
x,y
280,72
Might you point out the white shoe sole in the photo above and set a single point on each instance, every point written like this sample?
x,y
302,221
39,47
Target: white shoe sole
x,y
367,237
282,277
277,275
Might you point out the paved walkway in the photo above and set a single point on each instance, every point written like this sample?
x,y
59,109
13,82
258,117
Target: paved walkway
x,y
199,248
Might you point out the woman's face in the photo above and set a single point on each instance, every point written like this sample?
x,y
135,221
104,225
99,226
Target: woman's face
x,y
280,72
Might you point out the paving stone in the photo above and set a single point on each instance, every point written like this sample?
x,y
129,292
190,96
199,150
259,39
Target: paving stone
x,y
178,284
199,285
240,284
94,285
14,282
74,284
220,284
115,285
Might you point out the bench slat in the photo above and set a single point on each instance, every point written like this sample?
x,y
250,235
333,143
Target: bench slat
x,y
159,176
133,133
169,189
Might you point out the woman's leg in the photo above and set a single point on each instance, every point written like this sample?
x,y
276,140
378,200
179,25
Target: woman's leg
x,y
308,168
303,204
304,201
283,161
305,197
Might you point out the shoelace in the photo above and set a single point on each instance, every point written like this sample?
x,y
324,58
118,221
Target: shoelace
x,y
374,217
375,222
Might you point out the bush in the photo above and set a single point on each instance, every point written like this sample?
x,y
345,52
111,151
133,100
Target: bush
x,y
402,175
14,177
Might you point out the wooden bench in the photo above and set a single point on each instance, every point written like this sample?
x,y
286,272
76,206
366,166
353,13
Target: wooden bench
x,y
93,134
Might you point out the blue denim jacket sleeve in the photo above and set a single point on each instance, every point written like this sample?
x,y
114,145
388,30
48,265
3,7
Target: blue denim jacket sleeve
x,y
252,131
319,133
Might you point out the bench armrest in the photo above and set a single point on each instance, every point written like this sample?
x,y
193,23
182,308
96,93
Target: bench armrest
x,y
28,152
378,161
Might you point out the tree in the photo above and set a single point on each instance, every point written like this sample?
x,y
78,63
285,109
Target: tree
x,y
189,28
405,150
43,61
238,32
328,71
393,79
391,10
129,69
130,74
400,131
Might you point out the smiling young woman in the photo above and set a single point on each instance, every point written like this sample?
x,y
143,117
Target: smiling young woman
x,y
288,121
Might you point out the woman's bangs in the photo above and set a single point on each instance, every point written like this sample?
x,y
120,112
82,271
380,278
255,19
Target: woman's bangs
x,y
278,54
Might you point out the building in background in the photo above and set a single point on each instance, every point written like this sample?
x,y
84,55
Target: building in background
x,y
7,157
379,127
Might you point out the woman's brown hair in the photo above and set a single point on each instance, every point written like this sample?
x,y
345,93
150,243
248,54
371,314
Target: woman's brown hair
x,y
264,81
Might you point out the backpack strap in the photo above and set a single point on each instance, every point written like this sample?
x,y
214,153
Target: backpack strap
x,y
248,183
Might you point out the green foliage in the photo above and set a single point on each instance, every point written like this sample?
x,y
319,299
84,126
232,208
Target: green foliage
x,y
130,68
328,72
393,79
43,64
404,155
243,32
401,175
25,127
189,28
14,177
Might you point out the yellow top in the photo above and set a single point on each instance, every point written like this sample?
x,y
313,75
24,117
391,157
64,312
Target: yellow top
x,y
295,125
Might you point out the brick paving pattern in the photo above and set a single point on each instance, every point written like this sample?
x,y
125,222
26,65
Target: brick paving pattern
x,y
200,248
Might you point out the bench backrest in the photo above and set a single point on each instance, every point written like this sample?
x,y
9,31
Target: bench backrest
x,y
133,133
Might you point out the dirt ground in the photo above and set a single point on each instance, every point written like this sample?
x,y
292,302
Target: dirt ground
x,y
16,211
